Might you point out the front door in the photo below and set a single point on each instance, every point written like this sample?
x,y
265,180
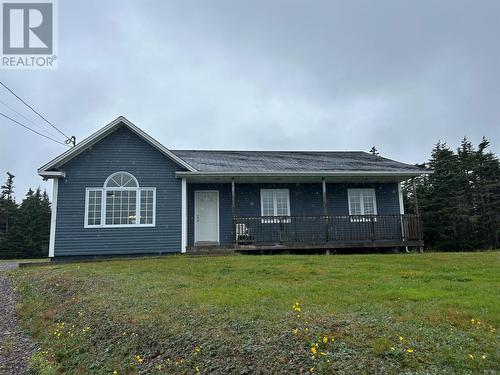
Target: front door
x,y
206,217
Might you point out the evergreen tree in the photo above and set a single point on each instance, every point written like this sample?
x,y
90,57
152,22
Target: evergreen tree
x,y
459,202
29,236
374,151
486,176
8,187
7,204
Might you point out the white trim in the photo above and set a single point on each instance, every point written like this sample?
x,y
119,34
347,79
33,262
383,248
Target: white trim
x,y
218,219
401,202
53,218
305,173
138,192
103,132
120,187
361,202
184,226
52,174
275,202
401,211
86,223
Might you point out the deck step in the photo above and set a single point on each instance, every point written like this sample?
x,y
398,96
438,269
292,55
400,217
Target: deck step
x,y
209,250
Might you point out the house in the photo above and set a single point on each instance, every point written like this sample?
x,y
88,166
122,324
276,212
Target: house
x,y
121,192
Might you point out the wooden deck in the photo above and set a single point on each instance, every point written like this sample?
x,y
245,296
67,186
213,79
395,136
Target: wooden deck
x,y
294,233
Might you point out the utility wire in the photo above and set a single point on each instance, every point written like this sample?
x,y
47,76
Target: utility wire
x,y
27,119
30,107
30,129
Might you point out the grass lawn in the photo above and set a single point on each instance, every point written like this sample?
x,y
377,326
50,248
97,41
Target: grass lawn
x,y
419,313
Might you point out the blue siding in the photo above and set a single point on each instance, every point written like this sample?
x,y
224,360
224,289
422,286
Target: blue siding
x,y
305,199
120,151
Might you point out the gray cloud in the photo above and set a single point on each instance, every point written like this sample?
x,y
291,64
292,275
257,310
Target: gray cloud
x,y
267,75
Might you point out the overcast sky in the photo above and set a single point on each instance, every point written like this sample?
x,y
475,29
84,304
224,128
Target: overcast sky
x,y
273,75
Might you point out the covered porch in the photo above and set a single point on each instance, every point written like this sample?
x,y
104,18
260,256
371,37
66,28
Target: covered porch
x,y
317,212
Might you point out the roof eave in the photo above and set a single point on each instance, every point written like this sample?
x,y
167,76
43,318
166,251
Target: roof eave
x,y
307,173
52,174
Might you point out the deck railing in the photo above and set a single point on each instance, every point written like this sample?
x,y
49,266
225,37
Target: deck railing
x,y
327,229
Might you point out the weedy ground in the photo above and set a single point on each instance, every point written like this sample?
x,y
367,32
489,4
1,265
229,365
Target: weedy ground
x,y
433,313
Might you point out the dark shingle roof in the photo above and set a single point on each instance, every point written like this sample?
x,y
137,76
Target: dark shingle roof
x,y
291,161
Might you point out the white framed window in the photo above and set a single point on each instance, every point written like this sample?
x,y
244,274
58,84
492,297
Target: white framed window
x,y
120,203
362,201
274,202
93,207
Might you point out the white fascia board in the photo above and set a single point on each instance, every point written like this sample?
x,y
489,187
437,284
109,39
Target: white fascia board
x,y
97,136
52,174
311,174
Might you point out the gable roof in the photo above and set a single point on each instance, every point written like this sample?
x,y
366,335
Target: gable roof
x,y
290,162
46,170
212,162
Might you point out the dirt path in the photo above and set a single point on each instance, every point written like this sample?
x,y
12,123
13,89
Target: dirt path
x,y
15,347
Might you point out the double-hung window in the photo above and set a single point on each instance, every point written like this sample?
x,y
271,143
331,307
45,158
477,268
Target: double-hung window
x,y
120,203
362,202
274,202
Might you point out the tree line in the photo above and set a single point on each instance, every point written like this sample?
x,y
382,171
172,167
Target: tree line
x,y
24,227
459,202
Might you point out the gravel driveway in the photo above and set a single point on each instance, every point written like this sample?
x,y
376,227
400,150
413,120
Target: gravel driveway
x,y
15,347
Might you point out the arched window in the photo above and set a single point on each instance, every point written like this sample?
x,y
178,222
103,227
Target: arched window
x,y
120,202
121,180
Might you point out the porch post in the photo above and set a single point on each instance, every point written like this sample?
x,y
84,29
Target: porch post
x,y
53,218
233,209
415,195
325,203
401,214
417,212
325,208
184,226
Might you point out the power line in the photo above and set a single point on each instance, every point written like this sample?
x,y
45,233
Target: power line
x,y
27,118
30,107
30,129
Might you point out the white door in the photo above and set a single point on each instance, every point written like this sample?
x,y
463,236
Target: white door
x,y
206,216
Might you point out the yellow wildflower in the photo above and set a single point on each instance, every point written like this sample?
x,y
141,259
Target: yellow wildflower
x,y
401,338
115,372
471,356
197,349
311,369
197,369
314,350
295,331
325,339
322,353
138,358
409,350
